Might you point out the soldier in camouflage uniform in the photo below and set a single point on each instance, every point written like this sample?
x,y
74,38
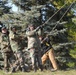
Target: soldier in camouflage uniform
x,y
34,46
6,49
15,41
48,52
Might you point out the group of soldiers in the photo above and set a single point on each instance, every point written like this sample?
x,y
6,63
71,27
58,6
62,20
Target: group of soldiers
x,y
13,52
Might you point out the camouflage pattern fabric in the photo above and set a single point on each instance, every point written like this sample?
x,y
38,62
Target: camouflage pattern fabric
x,y
15,41
34,47
6,51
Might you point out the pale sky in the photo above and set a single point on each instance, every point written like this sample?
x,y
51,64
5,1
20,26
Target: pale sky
x,y
14,7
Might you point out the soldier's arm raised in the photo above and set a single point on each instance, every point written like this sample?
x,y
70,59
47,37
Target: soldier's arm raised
x,y
30,33
37,28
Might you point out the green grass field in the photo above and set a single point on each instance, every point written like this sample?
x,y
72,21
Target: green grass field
x,y
45,72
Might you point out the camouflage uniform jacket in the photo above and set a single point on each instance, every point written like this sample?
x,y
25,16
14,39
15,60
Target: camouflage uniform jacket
x,y
5,46
33,40
15,41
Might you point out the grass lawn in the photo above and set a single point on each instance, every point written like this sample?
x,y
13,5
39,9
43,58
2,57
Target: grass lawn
x,y
45,72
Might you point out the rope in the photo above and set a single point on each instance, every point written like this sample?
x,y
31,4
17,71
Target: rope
x,y
63,15
56,13
59,20
53,15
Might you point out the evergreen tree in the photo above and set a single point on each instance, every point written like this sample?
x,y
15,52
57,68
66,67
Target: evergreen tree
x,y
38,12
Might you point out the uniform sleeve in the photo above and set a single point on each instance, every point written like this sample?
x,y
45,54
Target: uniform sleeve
x,y
11,35
3,44
30,33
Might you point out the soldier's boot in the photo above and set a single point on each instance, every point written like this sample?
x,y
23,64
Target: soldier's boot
x,y
41,67
53,60
23,69
6,70
35,68
53,70
13,69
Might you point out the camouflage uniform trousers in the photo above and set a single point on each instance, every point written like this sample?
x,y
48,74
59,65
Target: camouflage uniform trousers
x,y
19,60
8,60
35,58
50,54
